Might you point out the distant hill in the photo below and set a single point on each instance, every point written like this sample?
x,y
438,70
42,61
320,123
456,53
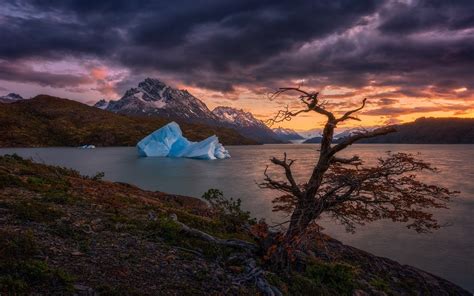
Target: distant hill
x,y
51,121
314,140
426,131
431,131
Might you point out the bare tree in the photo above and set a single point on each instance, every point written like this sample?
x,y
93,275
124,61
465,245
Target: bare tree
x,y
347,190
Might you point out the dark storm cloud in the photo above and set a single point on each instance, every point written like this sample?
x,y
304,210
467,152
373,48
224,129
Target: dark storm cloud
x,y
424,15
50,38
217,50
222,44
24,73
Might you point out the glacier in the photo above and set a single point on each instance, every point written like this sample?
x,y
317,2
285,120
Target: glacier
x,y
169,141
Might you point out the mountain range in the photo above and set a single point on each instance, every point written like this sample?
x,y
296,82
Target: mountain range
x,y
308,134
246,124
287,134
154,98
153,104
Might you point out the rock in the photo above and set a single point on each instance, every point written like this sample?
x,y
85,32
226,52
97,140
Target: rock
x,y
152,216
83,290
236,269
360,293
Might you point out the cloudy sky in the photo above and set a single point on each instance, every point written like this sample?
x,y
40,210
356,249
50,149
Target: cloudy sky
x,y
409,58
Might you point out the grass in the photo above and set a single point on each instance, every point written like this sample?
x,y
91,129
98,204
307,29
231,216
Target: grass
x,y
21,272
122,290
34,211
164,228
335,277
319,279
7,180
381,285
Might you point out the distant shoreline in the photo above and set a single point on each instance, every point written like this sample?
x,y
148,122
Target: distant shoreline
x,y
279,144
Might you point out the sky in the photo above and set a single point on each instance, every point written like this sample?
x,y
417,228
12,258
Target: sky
x,y
408,58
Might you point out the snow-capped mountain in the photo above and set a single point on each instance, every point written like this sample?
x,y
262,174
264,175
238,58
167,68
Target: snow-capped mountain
x,y
246,124
287,134
338,137
102,104
237,117
153,97
308,134
317,133
350,132
10,98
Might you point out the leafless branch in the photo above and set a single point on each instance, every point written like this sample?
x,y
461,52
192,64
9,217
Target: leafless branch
x,y
310,100
359,136
291,187
270,183
355,160
348,114
286,165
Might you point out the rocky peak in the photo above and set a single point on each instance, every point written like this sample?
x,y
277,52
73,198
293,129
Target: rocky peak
x,y
153,87
283,130
287,134
14,96
246,124
153,97
10,98
101,104
236,116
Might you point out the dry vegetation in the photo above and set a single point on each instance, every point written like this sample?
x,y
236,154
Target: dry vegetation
x,y
49,121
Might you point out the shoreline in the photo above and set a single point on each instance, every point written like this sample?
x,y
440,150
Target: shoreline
x,y
79,197
244,145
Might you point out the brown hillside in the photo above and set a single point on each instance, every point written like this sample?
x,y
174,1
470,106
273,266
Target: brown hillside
x,y
50,121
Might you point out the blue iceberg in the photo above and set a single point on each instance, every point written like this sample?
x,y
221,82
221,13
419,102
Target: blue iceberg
x,y
168,141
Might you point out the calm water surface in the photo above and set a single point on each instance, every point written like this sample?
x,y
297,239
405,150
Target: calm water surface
x,y
448,252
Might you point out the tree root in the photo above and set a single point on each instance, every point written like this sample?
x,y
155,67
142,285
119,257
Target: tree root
x,y
253,273
207,237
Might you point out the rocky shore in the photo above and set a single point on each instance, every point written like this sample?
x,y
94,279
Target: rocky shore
x,y
63,233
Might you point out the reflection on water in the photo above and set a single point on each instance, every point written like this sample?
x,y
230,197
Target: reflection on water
x,y
448,252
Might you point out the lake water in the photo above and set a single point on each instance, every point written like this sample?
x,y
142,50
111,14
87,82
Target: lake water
x,y
448,252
